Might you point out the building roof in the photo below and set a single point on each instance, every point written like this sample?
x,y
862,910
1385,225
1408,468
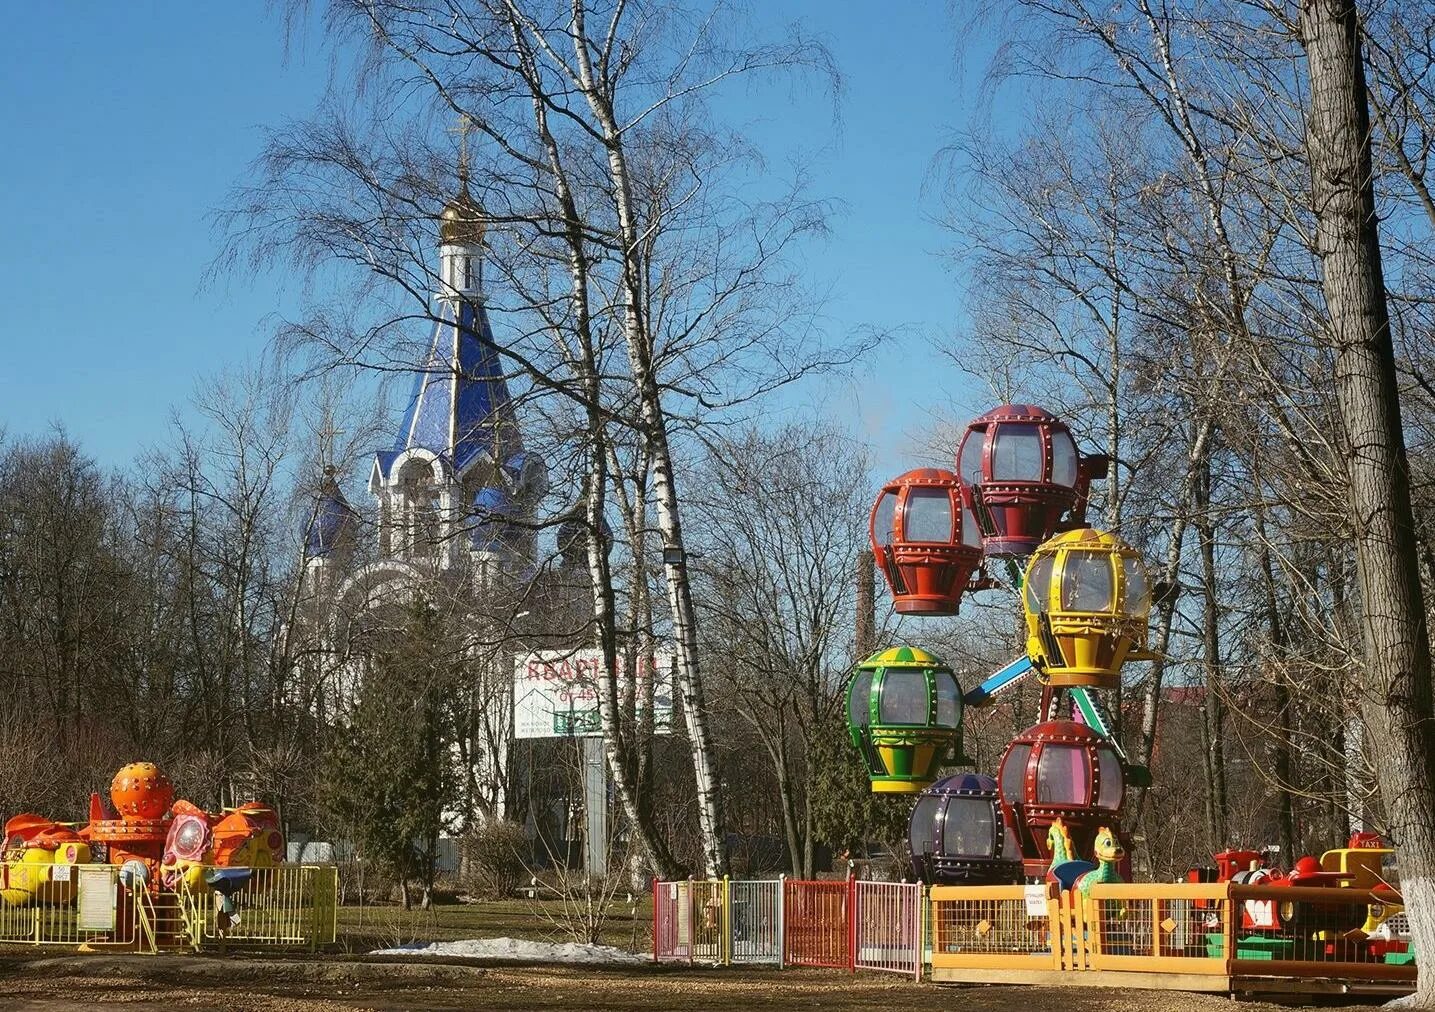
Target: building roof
x,y
460,408
332,517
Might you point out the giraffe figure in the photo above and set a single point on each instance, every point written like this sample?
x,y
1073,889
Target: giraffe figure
x,y
1108,852
1058,840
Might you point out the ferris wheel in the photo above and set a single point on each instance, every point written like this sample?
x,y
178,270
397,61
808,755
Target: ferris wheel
x,y
1017,500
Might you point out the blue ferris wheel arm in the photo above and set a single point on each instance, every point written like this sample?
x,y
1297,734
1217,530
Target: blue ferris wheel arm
x,y
1003,678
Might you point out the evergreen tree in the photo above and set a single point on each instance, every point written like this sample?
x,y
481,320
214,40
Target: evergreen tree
x,y
390,773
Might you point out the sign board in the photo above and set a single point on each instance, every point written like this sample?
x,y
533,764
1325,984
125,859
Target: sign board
x,y
1035,896
555,692
95,906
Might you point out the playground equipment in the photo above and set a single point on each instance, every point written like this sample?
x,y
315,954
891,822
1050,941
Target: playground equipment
x,y
1086,604
904,714
1060,770
152,872
959,832
1028,871
926,545
142,795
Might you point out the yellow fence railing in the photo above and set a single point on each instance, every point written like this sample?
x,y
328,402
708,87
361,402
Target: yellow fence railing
x,y
994,927
89,905
1202,936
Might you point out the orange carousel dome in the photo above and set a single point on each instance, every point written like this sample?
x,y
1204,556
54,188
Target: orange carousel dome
x,y
141,791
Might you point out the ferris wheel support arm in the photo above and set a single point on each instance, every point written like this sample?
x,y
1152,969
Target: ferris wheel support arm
x,y
1003,678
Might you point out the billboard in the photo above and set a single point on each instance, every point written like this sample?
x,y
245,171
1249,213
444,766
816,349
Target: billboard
x,y
555,692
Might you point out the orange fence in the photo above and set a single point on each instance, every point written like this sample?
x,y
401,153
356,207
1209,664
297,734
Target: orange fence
x,y
817,923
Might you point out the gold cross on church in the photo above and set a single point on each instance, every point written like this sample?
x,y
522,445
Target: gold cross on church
x,y
464,128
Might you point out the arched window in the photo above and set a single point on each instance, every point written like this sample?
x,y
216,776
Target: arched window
x,y
1063,458
859,708
1014,774
1063,775
1086,582
970,828
928,516
419,488
1017,453
904,697
924,826
970,464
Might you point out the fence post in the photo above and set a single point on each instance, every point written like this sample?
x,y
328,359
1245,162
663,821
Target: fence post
x,y
1232,912
725,923
920,934
782,921
851,920
655,918
692,922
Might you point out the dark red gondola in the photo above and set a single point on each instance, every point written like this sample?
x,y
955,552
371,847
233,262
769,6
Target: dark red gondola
x,y
1022,477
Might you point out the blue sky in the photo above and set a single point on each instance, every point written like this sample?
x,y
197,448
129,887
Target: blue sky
x,y
129,123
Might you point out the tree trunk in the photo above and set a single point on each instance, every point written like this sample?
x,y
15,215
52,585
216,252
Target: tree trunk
x,y
655,431
1396,687
1280,745
1213,705
1166,613
628,781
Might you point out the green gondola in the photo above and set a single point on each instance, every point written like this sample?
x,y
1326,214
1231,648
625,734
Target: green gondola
x,y
904,714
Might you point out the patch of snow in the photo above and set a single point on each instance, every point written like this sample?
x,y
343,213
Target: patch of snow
x,y
518,949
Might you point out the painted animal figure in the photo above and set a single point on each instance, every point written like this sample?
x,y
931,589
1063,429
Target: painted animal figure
x,y
1058,839
1108,852
1065,867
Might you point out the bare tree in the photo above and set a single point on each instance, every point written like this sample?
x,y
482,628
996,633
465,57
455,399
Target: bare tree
x,y
1399,710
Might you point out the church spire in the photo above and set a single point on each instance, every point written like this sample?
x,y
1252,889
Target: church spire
x,y
460,233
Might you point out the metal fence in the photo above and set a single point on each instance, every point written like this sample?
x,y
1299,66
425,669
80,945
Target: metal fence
x,y
88,904
1194,936
843,924
754,921
888,923
285,906
689,922
817,923
993,927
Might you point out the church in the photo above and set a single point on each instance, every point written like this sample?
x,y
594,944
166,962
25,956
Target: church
x,y
458,499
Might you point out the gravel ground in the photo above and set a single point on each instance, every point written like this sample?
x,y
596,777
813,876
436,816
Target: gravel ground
x,y
144,983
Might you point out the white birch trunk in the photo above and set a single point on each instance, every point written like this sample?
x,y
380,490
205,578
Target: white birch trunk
x,y
654,421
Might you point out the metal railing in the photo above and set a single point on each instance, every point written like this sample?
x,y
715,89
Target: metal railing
x,y
888,926
283,906
997,927
754,921
88,904
689,921
817,921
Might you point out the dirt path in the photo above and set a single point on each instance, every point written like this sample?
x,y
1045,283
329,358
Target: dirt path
x,y
142,984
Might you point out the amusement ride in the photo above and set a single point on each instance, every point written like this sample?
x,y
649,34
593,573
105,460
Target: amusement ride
x,y
1018,499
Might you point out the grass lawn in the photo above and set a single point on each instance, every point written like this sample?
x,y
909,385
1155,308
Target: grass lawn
x,y
384,926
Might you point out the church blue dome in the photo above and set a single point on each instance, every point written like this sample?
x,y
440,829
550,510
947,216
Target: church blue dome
x,y
332,520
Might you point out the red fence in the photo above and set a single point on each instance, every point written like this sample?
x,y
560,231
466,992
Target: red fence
x,y
817,923
888,919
